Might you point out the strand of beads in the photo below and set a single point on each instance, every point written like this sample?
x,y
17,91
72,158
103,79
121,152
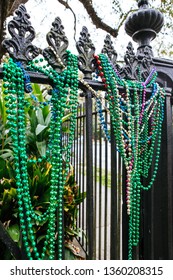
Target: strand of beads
x,y
137,124
69,80
66,83
102,120
100,106
14,88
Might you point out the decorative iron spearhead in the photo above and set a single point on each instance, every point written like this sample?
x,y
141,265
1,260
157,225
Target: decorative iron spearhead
x,y
20,46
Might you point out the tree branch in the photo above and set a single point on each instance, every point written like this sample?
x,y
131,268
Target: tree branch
x,y
67,6
97,21
125,17
13,5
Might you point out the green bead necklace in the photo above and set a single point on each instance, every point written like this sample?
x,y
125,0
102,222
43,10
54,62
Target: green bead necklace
x,y
137,125
137,117
64,97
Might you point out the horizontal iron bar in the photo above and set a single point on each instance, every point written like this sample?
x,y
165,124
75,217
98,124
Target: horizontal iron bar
x,y
163,62
93,113
96,85
35,77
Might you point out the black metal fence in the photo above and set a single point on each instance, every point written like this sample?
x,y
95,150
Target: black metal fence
x,y
105,186
103,215
107,224
98,167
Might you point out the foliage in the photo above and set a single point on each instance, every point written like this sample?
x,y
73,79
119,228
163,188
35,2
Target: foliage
x,y
165,44
37,122
72,198
162,45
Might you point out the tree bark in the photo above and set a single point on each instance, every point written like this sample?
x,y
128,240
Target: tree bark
x,y
97,21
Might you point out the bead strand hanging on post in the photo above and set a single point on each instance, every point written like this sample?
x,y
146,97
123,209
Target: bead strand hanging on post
x,y
137,117
64,97
137,123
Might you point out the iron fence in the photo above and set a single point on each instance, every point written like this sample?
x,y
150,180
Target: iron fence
x,y
99,169
107,224
102,185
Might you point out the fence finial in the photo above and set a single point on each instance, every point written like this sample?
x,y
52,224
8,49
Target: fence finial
x,y
144,24
86,51
56,54
143,3
20,46
109,50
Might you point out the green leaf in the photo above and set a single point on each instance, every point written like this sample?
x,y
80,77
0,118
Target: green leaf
x,y
12,192
69,255
14,232
8,140
11,172
37,91
38,212
71,231
40,128
7,199
67,117
6,154
45,198
41,146
2,167
40,117
30,137
72,252
80,198
40,238
47,120
65,129
6,184
33,120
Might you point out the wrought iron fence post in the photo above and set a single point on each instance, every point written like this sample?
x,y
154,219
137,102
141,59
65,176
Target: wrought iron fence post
x,y
162,195
115,237
169,174
56,55
142,26
89,173
116,187
86,51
